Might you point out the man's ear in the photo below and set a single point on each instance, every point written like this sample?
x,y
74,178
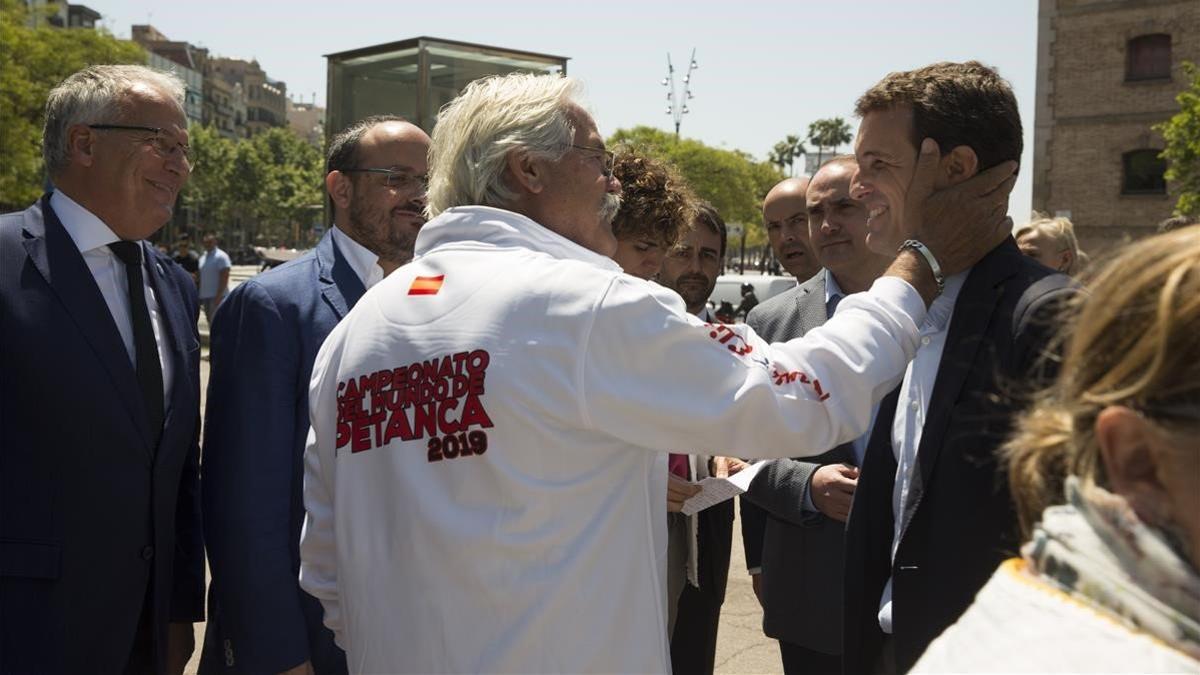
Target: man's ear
x,y
957,165
340,188
1131,461
81,145
527,174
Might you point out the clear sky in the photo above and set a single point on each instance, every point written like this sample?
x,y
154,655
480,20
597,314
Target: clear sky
x,y
767,69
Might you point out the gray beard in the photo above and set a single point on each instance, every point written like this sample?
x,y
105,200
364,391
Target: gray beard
x,y
608,210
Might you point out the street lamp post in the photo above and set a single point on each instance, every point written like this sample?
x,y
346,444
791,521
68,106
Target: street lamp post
x,y
678,107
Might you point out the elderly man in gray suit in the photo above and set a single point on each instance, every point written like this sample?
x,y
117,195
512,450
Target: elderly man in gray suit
x,y
794,513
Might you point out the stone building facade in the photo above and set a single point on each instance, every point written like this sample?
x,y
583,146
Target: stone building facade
x,y
266,99
1108,71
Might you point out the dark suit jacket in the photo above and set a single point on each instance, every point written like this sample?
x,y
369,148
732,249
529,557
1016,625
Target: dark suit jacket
x,y
800,551
265,338
960,522
95,519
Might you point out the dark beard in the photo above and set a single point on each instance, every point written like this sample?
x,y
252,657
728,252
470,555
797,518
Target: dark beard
x,y
694,299
373,230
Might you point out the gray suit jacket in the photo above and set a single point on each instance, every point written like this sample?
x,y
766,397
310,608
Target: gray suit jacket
x,y
800,551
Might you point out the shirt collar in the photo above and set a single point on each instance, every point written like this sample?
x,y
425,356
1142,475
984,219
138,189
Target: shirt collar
x,y
85,228
485,226
832,289
360,258
938,317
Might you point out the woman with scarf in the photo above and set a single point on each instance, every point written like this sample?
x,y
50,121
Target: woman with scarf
x,y
1107,581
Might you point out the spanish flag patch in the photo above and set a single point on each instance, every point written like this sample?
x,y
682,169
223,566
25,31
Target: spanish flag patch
x,y
426,285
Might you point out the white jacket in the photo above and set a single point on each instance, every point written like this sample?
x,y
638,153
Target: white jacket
x,y
1019,623
540,547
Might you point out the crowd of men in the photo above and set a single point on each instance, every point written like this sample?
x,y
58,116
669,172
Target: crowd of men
x,y
457,434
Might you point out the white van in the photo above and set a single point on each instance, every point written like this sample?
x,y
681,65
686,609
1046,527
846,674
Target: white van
x,y
729,288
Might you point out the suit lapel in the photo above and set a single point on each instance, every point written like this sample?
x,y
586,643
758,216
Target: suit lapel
x,y
805,312
340,286
811,304
968,331
56,258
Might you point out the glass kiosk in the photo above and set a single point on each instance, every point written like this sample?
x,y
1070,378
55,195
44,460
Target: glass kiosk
x,y
414,78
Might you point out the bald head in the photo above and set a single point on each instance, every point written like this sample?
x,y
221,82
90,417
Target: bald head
x,y
786,218
837,228
787,188
376,181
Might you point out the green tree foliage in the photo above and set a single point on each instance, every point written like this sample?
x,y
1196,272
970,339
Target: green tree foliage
x,y
1182,135
828,134
208,186
732,181
293,186
32,62
270,185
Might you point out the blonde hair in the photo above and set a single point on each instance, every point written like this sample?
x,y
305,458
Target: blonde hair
x,y
1130,340
1061,232
475,132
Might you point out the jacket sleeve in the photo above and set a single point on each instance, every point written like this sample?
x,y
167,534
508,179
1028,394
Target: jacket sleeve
x,y
781,487
187,585
657,377
754,527
251,470
318,544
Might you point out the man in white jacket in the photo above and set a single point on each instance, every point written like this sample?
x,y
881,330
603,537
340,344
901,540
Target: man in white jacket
x,y
486,471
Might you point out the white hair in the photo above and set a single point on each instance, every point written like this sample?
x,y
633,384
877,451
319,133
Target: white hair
x,y
493,116
95,95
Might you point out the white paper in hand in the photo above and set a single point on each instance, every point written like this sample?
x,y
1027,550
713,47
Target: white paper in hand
x,y
713,490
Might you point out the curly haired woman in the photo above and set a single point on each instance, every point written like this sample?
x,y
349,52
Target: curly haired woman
x,y
656,207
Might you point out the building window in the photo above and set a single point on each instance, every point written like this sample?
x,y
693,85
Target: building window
x,y
1143,173
1148,57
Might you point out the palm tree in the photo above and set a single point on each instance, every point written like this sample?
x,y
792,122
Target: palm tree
x,y
785,152
828,133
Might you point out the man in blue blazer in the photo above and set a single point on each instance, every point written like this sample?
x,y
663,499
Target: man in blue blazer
x,y
101,560
264,340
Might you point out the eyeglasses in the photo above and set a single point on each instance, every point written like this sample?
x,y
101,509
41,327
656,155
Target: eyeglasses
x,y
163,144
397,180
609,157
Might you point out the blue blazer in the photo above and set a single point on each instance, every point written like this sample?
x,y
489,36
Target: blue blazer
x,y
95,520
265,337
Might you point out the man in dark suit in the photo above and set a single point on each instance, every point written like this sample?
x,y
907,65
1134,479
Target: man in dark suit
x,y
931,517
698,553
101,560
264,341
793,515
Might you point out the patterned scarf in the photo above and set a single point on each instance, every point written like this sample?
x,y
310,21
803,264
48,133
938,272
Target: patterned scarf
x,y
1097,550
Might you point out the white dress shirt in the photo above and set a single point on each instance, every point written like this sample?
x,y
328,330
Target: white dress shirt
x,y
92,237
360,258
911,412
